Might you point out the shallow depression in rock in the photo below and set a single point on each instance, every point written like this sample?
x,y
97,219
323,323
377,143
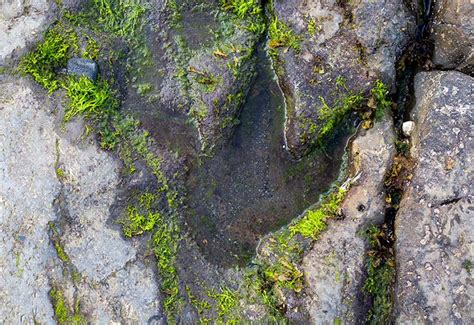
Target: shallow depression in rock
x,y
252,186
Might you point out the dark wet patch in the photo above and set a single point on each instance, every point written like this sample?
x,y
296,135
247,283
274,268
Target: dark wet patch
x,y
252,185
198,25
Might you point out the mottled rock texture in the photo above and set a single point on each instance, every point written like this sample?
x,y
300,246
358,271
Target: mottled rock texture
x,y
453,35
21,23
48,174
334,268
357,40
434,226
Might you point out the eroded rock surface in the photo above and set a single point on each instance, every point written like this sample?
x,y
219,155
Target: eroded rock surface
x,y
453,35
47,177
334,268
359,41
434,226
28,187
21,23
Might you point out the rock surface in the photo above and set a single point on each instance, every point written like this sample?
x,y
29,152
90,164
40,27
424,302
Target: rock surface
x,y
359,41
334,268
453,35
114,285
434,225
21,23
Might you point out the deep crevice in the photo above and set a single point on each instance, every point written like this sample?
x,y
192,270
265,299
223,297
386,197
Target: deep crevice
x,y
381,264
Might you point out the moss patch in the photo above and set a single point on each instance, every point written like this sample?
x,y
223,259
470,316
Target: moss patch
x,y
282,36
50,56
63,314
380,275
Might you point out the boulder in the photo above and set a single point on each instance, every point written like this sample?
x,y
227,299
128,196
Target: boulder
x,y
335,267
434,225
359,41
453,35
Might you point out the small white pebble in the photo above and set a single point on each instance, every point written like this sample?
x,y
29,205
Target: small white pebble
x,y
408,128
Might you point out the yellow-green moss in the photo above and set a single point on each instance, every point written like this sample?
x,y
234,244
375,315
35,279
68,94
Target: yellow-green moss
x,y
50,56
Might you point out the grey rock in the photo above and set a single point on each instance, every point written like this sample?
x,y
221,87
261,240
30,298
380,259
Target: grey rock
x,y
453,35
28,187
357,40
83,67
334,268
21,24
434,225
115,285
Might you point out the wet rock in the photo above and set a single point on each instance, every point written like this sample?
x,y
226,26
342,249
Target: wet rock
x,y
357,41
47,176
219,83
334,267
434,225
408,127
83,67
453,35
206,64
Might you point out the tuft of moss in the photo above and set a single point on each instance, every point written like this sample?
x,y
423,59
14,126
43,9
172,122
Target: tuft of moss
x,y
88,99
282,36
57,242
314,221
313,27
227,301
381,275
121,17
250,11
380,92
140,218
50,56
165,247
62,313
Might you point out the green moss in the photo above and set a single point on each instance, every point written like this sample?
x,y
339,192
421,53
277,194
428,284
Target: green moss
x,y
282,36
201,305
50,56
403,148
92,49
57,243
467,265
380,92
380,276
88,99
139,217
60,251
121,17
330,118
176,16
165,247
227,302
250,11
99,105
143,89
62,313
313,27
314,221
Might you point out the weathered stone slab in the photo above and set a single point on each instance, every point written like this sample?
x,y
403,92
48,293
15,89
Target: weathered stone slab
x,y
435,224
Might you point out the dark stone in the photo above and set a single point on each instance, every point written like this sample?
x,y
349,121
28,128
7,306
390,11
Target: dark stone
x,y
83,67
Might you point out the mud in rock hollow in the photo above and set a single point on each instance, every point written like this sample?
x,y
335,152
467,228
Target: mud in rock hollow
x,y
252,186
